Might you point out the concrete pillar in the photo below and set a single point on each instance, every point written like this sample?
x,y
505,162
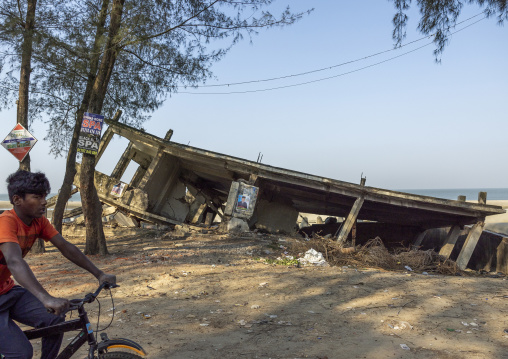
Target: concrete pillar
x,y
461,198
154,164
467,250
209,219
419,239
196,209
451,239
350,220
136,179
122,164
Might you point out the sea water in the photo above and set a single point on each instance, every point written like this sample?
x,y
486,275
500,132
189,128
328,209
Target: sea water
x,y
4,197
448,193
470,193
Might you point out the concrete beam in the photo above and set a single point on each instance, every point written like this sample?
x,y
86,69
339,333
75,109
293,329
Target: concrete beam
x,y
469,245
346,227
451,239
106,138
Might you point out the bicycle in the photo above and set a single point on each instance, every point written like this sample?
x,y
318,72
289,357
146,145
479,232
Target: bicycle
x,y
98,350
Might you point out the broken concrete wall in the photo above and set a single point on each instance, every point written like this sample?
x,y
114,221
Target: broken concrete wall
x,y
490,254
164,189
104,184
174,205
274,217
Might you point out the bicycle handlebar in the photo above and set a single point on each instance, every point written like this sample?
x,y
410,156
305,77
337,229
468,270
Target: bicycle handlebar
x,y
90,297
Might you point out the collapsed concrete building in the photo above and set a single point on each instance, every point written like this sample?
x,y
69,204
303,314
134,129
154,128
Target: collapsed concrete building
x,y
251,195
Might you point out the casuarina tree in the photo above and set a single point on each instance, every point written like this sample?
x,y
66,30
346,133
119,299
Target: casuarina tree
x,y
439,17
104,55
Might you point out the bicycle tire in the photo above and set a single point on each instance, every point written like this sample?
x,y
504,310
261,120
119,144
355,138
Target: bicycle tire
x,y
119,355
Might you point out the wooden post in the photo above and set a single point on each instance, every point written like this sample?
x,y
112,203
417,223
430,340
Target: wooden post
x,y
351,219
461,198
467,250
451,239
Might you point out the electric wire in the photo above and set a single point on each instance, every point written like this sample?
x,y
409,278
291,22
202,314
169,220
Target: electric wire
x,y
334,66
327,68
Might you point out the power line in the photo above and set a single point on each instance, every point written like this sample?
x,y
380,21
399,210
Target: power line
x,y
327,68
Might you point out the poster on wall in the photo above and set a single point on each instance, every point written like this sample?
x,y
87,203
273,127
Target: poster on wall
x,y
90,133
117,189
245,200
19,142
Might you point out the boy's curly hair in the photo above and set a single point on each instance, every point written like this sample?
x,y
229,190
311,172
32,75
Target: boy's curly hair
x,y
23,182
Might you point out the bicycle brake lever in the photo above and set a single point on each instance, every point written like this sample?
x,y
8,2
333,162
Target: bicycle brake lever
x,y
109,286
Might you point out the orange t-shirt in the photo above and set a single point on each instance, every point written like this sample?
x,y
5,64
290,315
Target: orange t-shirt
x,y
12,229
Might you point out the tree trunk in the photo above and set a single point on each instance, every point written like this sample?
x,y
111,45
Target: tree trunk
x,y
24,86
70,168
92,209
38,246
24,76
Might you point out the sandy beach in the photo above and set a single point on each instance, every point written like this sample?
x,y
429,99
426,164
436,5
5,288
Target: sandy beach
x,y
5,205
220,297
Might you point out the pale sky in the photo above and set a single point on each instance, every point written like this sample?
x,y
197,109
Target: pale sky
x,y
404,123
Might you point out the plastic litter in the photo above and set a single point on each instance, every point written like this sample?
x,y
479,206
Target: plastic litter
x,y
405,347
313,257
408,268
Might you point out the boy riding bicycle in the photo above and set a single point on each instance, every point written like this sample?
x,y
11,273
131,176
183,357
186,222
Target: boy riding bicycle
x,y
30,303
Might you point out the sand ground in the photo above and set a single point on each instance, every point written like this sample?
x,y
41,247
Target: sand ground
x,y
215,296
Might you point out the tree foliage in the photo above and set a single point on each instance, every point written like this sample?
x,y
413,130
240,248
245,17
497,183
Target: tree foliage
x,y
147,50
163,45
439,17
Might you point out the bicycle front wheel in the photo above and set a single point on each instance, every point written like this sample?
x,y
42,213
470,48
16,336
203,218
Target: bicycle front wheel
x,y
119,355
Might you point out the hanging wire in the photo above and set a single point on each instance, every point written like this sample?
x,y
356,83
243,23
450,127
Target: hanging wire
x,y
329,77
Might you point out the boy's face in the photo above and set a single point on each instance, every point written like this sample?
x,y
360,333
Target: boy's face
x,y
31,206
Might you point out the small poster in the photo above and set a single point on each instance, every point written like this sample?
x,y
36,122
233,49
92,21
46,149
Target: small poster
x,y
90,133
243,202
19,142
117,189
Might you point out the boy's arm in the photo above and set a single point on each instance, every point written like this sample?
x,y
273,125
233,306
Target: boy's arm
x,y
26,278
72,253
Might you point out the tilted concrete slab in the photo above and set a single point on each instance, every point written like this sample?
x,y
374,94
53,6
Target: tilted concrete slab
x,y
213,173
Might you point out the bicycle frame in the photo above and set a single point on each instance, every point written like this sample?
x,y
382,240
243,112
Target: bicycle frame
x,y
86,333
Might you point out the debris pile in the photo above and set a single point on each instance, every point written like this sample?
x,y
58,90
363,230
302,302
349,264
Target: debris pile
x,y
375,254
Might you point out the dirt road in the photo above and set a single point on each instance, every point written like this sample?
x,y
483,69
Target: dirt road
x,y
212,296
